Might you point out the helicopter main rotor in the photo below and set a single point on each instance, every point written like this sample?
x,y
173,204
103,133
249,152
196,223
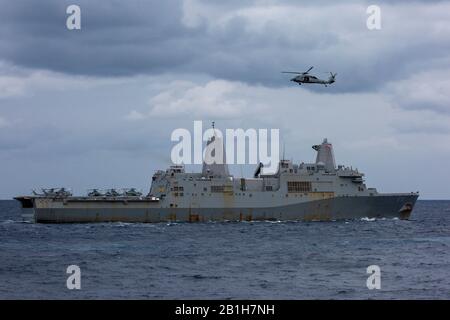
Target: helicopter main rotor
x,y
295,72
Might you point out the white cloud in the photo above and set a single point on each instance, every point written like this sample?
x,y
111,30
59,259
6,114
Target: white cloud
x,y
423,91
216,98
135,115
11,86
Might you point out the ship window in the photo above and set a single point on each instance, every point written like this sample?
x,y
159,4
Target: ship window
x,y
218,189
269,188
299,186
204,189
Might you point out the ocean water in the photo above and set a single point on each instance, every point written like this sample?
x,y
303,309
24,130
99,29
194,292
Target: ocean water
x,y
230,260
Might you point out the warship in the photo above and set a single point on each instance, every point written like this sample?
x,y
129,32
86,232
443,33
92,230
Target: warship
x,y
318,191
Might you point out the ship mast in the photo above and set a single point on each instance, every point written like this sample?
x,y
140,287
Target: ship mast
x,y
211,167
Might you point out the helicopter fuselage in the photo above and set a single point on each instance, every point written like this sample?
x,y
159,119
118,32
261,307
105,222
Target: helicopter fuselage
x,y
311,79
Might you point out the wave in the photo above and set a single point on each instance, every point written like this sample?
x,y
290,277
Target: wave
x,y
368,219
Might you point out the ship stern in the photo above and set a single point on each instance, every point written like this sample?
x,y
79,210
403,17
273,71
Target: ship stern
x,y
27,208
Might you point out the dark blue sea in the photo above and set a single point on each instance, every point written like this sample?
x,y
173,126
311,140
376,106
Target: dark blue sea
x,y
230,260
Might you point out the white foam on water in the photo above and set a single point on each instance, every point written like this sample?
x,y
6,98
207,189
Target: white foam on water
x,y
121,224
368,219
8,221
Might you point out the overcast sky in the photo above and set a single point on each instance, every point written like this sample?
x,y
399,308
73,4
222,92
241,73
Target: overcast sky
x,y
96,107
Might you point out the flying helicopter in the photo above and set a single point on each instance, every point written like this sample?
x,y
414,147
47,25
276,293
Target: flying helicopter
x,y
305,77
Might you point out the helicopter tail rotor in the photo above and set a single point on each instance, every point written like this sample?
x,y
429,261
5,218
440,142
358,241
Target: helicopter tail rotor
x,y
332,77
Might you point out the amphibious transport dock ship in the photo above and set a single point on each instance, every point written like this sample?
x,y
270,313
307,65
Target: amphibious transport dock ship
x,y
317,191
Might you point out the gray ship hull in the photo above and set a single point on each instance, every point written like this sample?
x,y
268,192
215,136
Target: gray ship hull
x,y
337,208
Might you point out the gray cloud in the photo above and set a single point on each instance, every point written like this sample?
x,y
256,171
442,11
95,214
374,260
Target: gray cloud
x,y
96,107
75,132
246,41
423,91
